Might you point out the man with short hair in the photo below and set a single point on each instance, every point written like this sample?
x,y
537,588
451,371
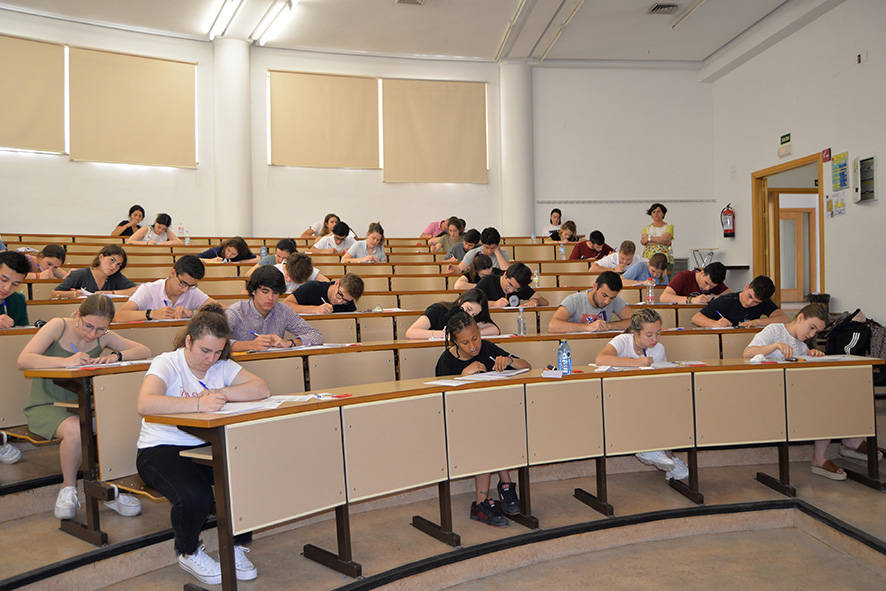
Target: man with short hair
x,y
457,253
696,287
175,297
284,248
338,242
14,266
261,321
594,309
594,248
490,241
745,308
654,271
326,297
512,287
617,261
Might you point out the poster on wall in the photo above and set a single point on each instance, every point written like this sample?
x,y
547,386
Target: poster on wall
x,y
828,206
840,171
840,203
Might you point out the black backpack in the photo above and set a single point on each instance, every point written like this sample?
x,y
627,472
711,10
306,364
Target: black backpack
x,y
849,337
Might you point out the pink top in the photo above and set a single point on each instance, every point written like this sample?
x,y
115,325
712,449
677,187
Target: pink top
x,y
433,228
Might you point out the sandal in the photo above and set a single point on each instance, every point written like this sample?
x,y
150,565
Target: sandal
x,y
830,470
859,453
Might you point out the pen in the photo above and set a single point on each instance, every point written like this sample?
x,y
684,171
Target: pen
x,y
4,306
74,348
202,384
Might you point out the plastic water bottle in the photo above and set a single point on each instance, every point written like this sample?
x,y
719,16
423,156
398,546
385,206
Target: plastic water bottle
x,y
650,293
181,229
187,237
564,358
521,324
536,280
562,252
263,251
533,237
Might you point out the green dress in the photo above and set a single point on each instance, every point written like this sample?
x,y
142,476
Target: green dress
x,y
43,416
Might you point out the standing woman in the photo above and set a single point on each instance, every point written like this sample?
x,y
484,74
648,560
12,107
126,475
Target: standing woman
x,y
199,376
658,236
157,233
130,226
72,342
104,276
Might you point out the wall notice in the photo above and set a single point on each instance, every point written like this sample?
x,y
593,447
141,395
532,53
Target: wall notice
x,y
840,172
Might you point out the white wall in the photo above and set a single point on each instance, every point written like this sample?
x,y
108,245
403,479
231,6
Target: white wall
x,y
808,85
634,136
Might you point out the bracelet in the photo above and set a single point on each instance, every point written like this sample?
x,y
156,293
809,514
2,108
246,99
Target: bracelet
x,y
198,404
118,354
688,299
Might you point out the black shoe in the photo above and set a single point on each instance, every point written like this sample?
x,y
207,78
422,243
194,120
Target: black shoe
x,y
510,504
487,512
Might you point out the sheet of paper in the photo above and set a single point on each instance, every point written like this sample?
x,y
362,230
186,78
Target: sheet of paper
x,y
234,407
292,397
445,383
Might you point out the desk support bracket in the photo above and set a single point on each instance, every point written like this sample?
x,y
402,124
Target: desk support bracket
x,y
783,483
872,478
442,532
525,516
689,491
597,502
342,561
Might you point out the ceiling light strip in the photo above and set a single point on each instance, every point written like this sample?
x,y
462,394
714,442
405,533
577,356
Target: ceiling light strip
x,y
223,19
686,14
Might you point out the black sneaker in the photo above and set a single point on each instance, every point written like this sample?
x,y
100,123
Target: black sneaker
x,y
487,512
510,504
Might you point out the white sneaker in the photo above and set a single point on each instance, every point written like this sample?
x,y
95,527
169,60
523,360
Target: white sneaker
x,y
9,454
246,571
67,503
659,459
680,471
202,565
125,504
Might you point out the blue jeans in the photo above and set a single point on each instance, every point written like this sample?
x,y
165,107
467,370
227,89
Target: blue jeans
x,y
188,486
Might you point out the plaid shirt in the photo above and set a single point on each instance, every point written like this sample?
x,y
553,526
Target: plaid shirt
x,y
244,317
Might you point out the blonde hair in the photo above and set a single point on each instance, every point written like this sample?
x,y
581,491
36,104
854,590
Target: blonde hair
x,y
641,317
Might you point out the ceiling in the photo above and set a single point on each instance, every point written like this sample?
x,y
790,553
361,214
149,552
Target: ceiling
x,y
453,29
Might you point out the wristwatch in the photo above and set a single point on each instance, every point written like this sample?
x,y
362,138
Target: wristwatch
x,y
148,314
118,354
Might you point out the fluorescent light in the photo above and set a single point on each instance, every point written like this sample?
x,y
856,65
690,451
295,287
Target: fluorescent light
x,y
225,16
269,17
683,16
276,22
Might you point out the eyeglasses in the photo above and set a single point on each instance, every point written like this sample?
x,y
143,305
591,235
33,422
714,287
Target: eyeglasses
x,y
343,299
187,285
94,329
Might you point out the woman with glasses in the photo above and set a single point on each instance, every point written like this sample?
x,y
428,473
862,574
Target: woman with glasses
x,y
74,342
103,276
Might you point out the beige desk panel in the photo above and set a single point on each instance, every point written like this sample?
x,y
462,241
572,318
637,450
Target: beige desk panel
x,y
830,402
349,369
557,436
370,269
330,269
478,445
548,281
16,388
39,291
411,257
646,413
158,338
739,407
567,266
584,351
385,300
544,318
296,461
394,445
403,324
412,283
734,343
283,375
577,281
537,353
55,310
117,423
334,330
670,317
418,269
376,329
507,321
684,317
688,347
536,252
376,283
630,295
420,363
420,301
222,271
226,286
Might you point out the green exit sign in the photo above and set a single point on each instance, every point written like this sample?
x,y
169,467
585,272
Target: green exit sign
x,y
785,139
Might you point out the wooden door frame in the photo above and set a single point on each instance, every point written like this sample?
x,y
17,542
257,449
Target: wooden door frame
x,y
798,212
761,206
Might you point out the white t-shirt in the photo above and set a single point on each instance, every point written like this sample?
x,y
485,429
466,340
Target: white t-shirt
x,y
777,333
173,369
358,251
624,347
610,261
328,241
152,236
291,285
150,296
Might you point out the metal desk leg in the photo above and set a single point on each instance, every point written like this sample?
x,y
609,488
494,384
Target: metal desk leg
x,y
597,502
442,532
783,483
689,491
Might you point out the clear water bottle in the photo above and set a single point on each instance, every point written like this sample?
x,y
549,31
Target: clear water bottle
x,y
181,229
561,252
533,237
536,280
263,251
650,293
187,237
521,324
564,358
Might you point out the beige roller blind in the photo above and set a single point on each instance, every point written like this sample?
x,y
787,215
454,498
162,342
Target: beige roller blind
x,y
324,120
132,109
32,95
434,131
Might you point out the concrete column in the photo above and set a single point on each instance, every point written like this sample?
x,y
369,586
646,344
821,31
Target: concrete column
x,y
233,166
517,172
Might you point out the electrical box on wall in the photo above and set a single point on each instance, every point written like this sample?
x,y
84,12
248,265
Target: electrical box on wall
x,y
864,173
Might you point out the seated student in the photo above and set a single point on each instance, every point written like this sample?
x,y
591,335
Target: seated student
x,y
696,287
594,248
511,288
175,297
321,229
2,246
490,241
370,250
455,231
617,261
594,309
654,271
48,262
199,376
284,248
745,308
129,226
432,323
104,276
457,253
298,270
13,268
639,346
467,354
568,233
233,250
338,242
553,230
326,297
157,233
480,267
260,322
72,342
434,229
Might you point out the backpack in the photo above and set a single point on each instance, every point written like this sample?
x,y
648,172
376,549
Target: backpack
x,y
848,336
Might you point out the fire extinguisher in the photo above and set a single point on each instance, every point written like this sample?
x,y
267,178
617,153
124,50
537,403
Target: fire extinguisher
x,y
727,220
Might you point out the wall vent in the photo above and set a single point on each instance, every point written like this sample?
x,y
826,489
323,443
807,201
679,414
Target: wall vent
x,y
415,2
664,9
